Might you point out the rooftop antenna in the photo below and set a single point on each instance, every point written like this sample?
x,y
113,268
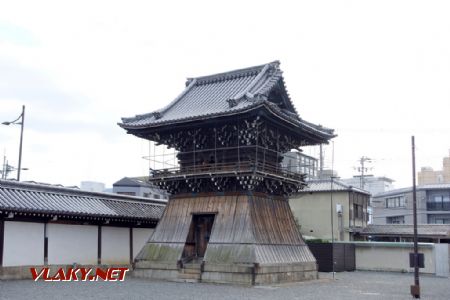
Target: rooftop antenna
x,y
362,169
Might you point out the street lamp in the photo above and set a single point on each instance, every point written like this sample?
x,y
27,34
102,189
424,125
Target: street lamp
x,y
21,123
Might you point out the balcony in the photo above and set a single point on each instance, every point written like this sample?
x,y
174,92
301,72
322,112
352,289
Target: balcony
x,y
438,206
227,170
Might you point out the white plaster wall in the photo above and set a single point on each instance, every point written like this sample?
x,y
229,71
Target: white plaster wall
x,y
23,244
442,259
68,244
115,245
384,256
140,238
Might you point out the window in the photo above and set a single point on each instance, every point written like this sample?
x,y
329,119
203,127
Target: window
x,y
398,201
127,193
357,211
439,202
395,220
438,219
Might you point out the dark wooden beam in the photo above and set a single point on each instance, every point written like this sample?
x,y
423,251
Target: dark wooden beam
x,y
99,245
131,245
45,244
2,238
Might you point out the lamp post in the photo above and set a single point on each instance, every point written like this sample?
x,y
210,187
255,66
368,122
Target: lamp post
x,y
21,123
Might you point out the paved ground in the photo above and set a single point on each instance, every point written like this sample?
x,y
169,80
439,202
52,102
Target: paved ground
x,y
352,285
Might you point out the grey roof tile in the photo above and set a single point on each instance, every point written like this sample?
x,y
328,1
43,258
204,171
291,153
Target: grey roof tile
x,y
39,198
210,96
324,185
408,230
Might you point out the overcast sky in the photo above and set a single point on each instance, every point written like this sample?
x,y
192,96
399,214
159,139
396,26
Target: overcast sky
x,y
375,71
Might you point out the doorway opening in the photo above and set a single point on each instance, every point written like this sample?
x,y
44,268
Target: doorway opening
x,y
198,237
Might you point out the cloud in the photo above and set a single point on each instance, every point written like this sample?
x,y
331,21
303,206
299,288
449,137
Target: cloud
x,y
17,35
29,86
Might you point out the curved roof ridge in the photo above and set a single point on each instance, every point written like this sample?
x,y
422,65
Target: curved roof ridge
x,y
231,74
246,91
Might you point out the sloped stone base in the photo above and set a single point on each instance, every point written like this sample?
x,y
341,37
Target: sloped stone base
x,y
254,240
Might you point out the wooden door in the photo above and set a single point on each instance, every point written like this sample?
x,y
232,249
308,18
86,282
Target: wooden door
x,y
203,227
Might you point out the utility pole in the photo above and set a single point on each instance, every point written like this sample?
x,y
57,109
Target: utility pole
x,y
362,168
21,141
415,289
332,208
320,161
21,123
4,167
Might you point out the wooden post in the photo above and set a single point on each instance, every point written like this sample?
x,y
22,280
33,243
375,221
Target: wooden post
x,y
131,246
2,237
99,245
45,244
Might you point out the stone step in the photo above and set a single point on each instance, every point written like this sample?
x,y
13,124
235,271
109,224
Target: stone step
x,y
191,271
192,266
189,276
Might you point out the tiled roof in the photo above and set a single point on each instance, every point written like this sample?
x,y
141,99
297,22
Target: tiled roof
x,y
407,230
41,198
130,181
441,186
324,185
227,94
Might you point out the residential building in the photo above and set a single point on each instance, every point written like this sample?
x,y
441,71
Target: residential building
x,y
140,187
46,225
395,206
373,184
324,200
92,186
298,162
428,176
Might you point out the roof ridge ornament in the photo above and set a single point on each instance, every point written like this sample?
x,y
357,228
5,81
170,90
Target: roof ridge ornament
x,y
157,115
232,102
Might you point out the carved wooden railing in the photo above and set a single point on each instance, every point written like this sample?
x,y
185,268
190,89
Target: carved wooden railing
x,y
225,168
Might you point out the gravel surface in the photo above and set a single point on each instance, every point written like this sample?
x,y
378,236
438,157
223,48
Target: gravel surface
x,y
347,285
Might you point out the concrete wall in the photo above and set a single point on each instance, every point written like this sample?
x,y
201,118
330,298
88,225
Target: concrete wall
x,y
140,237
115,245
68,244
23,244
386,256
313,213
